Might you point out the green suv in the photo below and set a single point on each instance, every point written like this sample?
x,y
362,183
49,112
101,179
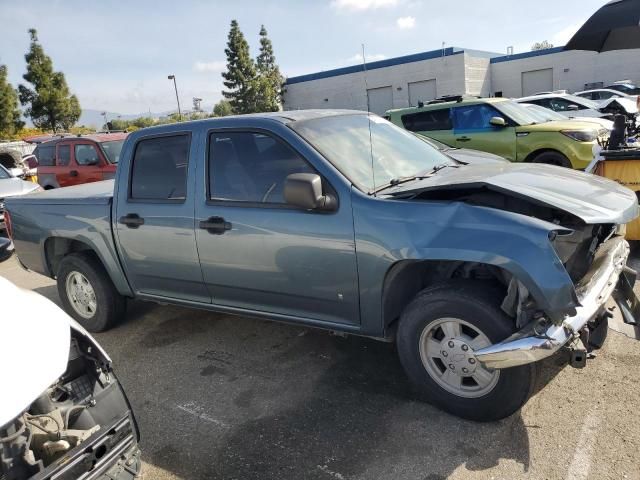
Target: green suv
x,y
503,127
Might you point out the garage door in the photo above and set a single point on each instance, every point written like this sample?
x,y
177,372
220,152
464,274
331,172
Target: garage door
x,y
380,99
537,81
422,91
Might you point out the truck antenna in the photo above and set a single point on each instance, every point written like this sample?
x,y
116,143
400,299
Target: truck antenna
x,y
366,88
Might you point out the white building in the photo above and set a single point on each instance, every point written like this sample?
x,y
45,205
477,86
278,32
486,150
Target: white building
x,y
404,81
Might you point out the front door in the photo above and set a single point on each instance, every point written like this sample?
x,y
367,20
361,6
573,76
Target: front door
x,y
472,129
87,164
258,253
154,219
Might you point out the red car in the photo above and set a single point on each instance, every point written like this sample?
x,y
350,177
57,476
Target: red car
x,y
72,160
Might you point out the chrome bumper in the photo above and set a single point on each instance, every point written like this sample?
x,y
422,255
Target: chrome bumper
x,y
535,342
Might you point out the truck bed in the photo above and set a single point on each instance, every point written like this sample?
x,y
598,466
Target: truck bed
x,y
41,227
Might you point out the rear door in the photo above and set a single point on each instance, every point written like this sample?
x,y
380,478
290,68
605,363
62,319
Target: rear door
x,y
472,129
154,219
434,123
87,165
263,254
63,164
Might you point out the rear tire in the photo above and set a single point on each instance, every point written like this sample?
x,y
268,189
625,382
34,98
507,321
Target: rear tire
x,y
432,351
552,158
88,294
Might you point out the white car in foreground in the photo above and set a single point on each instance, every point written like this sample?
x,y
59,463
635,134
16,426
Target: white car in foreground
x,y
63,413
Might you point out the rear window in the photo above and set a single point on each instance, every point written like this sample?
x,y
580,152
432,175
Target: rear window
x,y
159,170
46,156
427,121
64,155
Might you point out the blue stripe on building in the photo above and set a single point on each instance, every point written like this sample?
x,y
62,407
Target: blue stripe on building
x,y
417,57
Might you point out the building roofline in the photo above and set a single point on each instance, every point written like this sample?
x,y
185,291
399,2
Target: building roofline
x,y
389,62
534,53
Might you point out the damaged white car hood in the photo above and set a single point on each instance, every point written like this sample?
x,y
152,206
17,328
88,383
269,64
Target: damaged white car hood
x,y
589,197
31,323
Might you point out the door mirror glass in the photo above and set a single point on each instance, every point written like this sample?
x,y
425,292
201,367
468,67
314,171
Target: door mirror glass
x,y
304,190
498,122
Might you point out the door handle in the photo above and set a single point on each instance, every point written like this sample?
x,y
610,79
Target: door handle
x,y
463,139
215,225
73,173
132,220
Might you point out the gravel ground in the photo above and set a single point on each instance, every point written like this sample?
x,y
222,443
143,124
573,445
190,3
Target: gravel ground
x,y
222,397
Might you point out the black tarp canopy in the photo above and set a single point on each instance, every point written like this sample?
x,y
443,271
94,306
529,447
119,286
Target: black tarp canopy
x,y
615,26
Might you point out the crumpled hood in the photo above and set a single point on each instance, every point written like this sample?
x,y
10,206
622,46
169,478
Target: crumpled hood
x,y
589,197
11,187
35,337
627,104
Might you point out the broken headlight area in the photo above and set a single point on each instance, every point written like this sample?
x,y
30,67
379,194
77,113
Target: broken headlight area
x,y
79,427
577,248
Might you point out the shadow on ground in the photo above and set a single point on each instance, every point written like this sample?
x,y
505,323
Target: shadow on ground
x,y
225,397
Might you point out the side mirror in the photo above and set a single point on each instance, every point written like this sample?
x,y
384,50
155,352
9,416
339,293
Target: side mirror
x,y
498,122
573,108
304,190
6,249
17,172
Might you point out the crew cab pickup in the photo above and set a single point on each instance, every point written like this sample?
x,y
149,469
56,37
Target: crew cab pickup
x,y
344,221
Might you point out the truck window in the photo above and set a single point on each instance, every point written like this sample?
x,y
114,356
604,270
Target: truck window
x,y
46,156
64,155
86,155
427,121
159,170
251,167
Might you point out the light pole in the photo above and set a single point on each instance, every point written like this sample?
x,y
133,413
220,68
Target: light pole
x,y
173,77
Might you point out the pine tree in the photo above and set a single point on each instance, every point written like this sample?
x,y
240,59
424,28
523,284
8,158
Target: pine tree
x,y
269,80
240,77
10,121
49,103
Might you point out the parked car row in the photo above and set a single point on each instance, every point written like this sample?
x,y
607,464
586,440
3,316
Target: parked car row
x,y
505,128
344,221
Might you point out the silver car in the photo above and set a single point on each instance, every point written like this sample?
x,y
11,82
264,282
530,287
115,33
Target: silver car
x,y
11,186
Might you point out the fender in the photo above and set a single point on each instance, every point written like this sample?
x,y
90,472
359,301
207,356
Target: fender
x,y
389,231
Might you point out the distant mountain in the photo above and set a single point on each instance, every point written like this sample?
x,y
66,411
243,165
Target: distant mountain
x,y
94,118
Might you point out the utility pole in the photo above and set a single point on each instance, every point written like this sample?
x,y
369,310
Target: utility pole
x,y
175,86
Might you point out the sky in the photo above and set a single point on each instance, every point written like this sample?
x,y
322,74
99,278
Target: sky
x,y
116,55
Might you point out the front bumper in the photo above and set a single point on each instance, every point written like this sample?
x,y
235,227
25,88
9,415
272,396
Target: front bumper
x,y
538,340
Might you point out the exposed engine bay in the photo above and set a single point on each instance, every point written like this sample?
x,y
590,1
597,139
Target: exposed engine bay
x,y
79,427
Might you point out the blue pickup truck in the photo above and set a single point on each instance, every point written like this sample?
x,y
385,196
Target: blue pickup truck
x,y
341,220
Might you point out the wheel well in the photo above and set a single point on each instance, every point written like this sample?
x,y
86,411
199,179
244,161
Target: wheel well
x,y
531,157
406,278
56,248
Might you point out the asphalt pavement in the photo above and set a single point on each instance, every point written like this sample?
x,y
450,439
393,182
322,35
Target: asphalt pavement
x,y
224,397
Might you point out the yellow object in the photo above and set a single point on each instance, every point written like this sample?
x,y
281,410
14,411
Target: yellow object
x,y
626,172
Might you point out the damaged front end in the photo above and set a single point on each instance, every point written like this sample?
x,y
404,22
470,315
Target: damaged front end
x,y
80,427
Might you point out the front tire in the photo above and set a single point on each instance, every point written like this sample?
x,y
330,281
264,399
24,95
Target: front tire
x,y
437,335
87,293
552,158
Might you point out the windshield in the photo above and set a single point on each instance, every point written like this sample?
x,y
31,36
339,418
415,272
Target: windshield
x,y
112,150
544,113
582,101
349,141
433,142
4,174
517,112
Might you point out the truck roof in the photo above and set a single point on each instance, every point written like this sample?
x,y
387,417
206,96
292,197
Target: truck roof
x,y
96,137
